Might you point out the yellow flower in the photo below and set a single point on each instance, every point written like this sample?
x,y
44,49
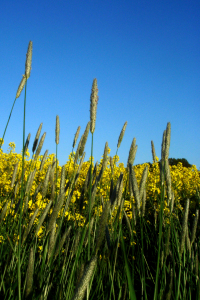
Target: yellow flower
x,y
1,238
133,243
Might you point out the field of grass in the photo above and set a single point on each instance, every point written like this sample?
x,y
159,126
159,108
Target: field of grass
x,y
96,231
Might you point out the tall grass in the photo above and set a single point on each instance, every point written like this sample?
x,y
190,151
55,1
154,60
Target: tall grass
x,y
73,235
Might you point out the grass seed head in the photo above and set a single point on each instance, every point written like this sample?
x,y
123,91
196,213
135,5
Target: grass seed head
x,y
39,148
102,224
143,182
93,105
57,129
55,212
37,138
46,180
121,135
194,227
111,164
84,139
132,153
27,143
62,181
120,189
29,273
52,240
134,186
167,140
30,181
104,163
76,136
80,164
153,151
28,60
3,213
88,272
21,86
14,175
184,226
43,216
43,160
78,150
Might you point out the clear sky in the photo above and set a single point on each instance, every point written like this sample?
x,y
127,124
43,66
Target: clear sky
x,y
144,54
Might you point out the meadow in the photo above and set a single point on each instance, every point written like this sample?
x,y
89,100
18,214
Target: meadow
x,y
96,231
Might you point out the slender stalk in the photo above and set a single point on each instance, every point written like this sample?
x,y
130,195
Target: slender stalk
x,y
22,195
90,196
160,232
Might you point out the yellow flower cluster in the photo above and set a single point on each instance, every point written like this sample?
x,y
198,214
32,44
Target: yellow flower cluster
x,y
185,182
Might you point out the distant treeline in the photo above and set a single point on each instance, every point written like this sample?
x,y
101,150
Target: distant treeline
x,y
175,161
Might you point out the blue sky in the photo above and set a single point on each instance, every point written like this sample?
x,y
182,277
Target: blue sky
x,y
144,54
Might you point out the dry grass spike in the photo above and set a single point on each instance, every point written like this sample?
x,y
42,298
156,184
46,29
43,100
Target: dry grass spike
x,y
132,153
153,151
76,136
84,139
27,143
14,175
81,288
29,274
28,60
121,135
21,86
93,105
184,226
57,129
37,138
39,148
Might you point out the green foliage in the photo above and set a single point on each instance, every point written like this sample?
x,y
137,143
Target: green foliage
x,y
175,161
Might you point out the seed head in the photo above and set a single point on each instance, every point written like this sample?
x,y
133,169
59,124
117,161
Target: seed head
x,y
30,181
111,164
62,181
76,136
21,86
46,180
29,273
43,160
88,272
153,151
27,143
39,148
84,140
167,140
14,175
28,60
132,153
143,182
3,213
93,105
41,220
184,226
37,138
194,227
57,129
121,135
134,186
